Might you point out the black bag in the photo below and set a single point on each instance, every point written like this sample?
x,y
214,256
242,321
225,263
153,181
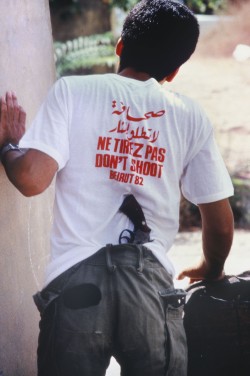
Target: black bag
x,y
217,324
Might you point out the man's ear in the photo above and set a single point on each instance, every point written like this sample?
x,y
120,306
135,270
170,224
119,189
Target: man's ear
x,y
119,47
172,75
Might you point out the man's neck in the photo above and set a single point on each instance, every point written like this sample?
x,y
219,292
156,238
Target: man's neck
x,y
140,76
132,73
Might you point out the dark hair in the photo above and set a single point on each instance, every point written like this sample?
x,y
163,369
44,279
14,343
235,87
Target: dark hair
x,y
158,37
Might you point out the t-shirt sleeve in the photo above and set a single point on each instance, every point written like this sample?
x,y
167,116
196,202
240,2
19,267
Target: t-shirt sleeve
x,y
49,131
206,178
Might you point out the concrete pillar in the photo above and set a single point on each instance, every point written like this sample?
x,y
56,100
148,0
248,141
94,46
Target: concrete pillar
x,y
26,67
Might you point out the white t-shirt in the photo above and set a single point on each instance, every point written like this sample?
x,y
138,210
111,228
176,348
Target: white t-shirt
x,y
113,136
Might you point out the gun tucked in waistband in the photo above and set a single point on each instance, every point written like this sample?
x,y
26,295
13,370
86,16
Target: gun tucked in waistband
x,y
141,233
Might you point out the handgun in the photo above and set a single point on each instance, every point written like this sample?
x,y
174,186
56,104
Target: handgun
x,y
141,233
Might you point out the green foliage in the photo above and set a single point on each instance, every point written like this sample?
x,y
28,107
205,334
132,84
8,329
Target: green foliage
x,y
84,52
198,6
123,4
71,5
206,6
190,217
74,5
240,202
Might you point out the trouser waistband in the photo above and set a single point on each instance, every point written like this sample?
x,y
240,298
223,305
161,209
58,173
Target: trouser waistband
x,y
137,255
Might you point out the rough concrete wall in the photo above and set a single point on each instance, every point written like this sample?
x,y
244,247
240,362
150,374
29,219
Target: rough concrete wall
x,y
27,67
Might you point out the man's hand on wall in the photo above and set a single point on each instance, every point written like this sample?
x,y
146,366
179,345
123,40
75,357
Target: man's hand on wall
x,y
12,120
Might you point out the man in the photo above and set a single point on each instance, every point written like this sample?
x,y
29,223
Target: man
x,y
109,138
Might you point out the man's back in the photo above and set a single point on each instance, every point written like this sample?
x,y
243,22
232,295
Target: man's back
x,y
113,136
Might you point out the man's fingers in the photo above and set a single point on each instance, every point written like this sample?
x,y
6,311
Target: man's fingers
x,y
12,119
19,113
199,274
3,111
181,276
3,103
11,108
10,105
16,108
22,116
190,273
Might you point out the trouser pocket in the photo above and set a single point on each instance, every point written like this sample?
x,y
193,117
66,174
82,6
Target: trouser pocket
x,y
47,303
47,306
176,344
43,299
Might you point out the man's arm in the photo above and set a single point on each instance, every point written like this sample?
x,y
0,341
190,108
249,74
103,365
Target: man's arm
x,y
217,237
31,172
